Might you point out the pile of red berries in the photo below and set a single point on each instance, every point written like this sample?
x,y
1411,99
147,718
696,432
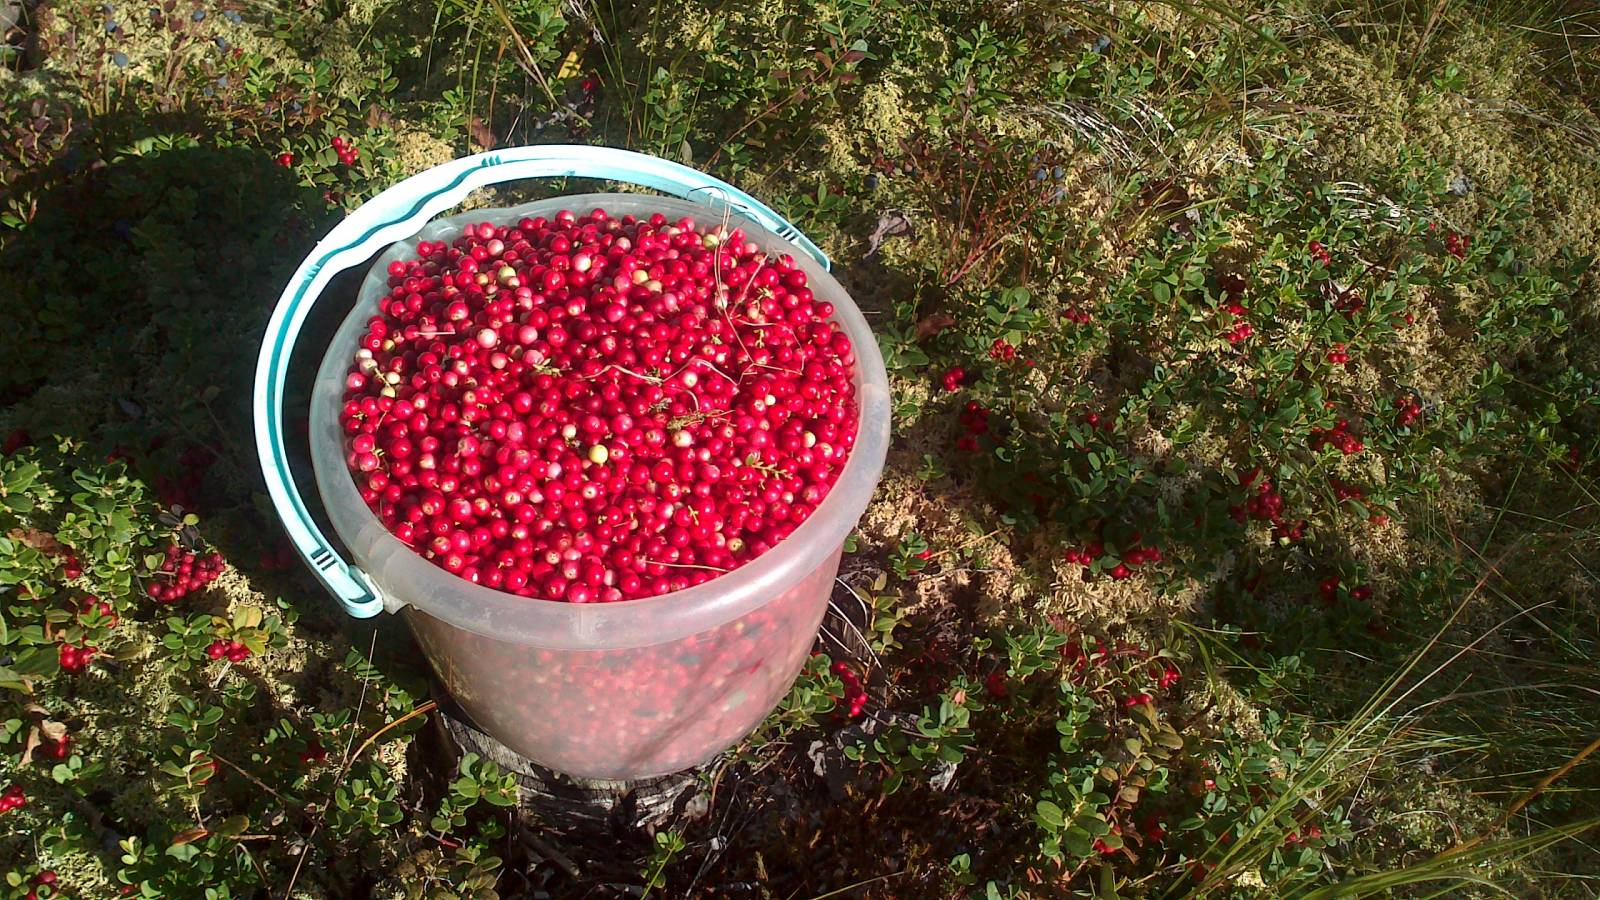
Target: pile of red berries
x,y
974,422
13,798
1456,245
1319,253
1407,408
1339,436
1077,316
71,567
1239,333
953,378
855,696
1002,350
348,154
76,659
313,753
189,572
1338,355
233,651
589,408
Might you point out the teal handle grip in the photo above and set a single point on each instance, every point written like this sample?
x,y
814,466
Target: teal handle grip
x,y
395,215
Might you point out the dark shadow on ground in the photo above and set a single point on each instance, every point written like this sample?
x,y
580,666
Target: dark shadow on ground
x,y
159,273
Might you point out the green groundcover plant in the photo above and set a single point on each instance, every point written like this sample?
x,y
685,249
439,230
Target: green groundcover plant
x,y
1238,536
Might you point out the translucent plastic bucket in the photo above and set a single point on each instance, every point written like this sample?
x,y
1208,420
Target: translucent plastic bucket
x,y
620,690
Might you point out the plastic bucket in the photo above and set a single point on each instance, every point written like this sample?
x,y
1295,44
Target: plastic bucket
x,y
623,690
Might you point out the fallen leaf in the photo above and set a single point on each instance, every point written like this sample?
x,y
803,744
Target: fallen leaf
x,y
190,836
932,325
891,223
32,743
482,134
39,540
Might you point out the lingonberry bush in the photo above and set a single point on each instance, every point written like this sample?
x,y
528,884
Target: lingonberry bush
x,y
149,744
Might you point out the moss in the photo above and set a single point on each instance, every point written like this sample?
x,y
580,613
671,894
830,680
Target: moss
x,y
1374,114
416,150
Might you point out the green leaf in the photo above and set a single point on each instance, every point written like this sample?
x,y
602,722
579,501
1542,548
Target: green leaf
x,y
1050,814
37,663
1078,842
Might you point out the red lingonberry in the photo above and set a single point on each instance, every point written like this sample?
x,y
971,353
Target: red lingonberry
x,y
12,798
1339,436
75,659
1289,533
1319,253
286,159
994,684
1169,678
1408,408
1344,491
953,378
1456,244
1338,355
1002,350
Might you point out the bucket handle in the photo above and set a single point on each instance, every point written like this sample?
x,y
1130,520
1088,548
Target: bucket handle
x,y
397,214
